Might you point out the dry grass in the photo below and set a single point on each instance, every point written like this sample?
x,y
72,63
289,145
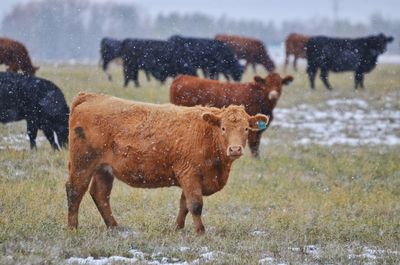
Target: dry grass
x,y
339,198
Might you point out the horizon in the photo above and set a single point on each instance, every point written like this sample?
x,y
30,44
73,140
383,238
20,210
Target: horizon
x,y
248,10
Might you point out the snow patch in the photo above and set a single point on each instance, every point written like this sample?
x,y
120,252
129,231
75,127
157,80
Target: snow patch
x,y
340,122
153,259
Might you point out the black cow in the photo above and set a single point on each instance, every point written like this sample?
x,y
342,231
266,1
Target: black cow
x,y
39,102
211,56
110,49
160,58
338,55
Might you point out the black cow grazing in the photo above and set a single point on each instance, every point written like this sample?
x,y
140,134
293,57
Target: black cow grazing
x,y
39,102
338,55
211,56
160,58
110,49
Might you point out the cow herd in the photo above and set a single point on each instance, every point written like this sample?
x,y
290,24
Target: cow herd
x,y
190,143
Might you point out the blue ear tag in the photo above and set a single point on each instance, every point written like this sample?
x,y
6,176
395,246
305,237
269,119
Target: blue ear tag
x,y
261,125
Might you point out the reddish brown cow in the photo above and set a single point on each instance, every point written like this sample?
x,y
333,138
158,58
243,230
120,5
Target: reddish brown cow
x,y
250,49
150,146
260,96
16,57
295,45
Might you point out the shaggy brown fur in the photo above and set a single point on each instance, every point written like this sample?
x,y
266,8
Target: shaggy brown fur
x,y
250,49
151,146
295,45
16,57
260,96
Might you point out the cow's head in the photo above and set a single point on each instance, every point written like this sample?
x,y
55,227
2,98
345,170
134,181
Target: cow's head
x,y
378,43
272,85
233,125
32,70
268,63
237,71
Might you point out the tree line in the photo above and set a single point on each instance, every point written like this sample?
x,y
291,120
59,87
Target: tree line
x,y
62,30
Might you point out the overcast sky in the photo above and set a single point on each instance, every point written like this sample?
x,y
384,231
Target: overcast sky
x,y
265,10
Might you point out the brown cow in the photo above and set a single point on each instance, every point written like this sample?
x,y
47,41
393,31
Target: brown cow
x,y
250,49
150,146
260,96
16,57
295,45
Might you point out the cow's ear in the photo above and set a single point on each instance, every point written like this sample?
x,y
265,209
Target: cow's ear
x,y
389,39
287,80
258,122
211,118
259,79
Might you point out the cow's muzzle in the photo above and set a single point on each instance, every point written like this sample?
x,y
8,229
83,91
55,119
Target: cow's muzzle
x,y
273,95
235,151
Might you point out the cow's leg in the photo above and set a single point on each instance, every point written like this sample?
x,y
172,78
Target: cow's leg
x,y
76,186
254,143
32,130
105,69
324,78
191,186
295,63
183,211
358,80
227,77
100,190
48,132
312,72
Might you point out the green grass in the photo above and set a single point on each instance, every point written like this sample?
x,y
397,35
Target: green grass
x,y
339,198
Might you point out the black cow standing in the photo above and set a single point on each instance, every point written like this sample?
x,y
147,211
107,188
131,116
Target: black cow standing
x,y
211,56
160,58
338,55
110,49
39,102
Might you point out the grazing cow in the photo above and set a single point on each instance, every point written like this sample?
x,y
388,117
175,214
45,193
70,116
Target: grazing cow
x,y
16,57
157,57
295,44
250,49
151,146
260,96
110,49
211,56
39,102
338,55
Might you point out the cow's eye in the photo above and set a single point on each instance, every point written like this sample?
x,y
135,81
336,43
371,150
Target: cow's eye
x,y
223,129
246,129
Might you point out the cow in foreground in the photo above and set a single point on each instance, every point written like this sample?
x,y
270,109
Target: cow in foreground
x,y
38,101
260,96
250,49
150,146
338,55
110,49
295,44
16,57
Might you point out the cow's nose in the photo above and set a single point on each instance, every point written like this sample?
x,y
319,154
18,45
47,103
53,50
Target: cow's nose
x,y
273,95
235,150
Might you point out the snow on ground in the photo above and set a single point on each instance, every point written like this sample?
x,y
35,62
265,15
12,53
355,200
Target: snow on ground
x,y
340,122
18,142
154,259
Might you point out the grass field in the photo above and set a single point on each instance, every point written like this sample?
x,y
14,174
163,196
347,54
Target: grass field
x,y
302,203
